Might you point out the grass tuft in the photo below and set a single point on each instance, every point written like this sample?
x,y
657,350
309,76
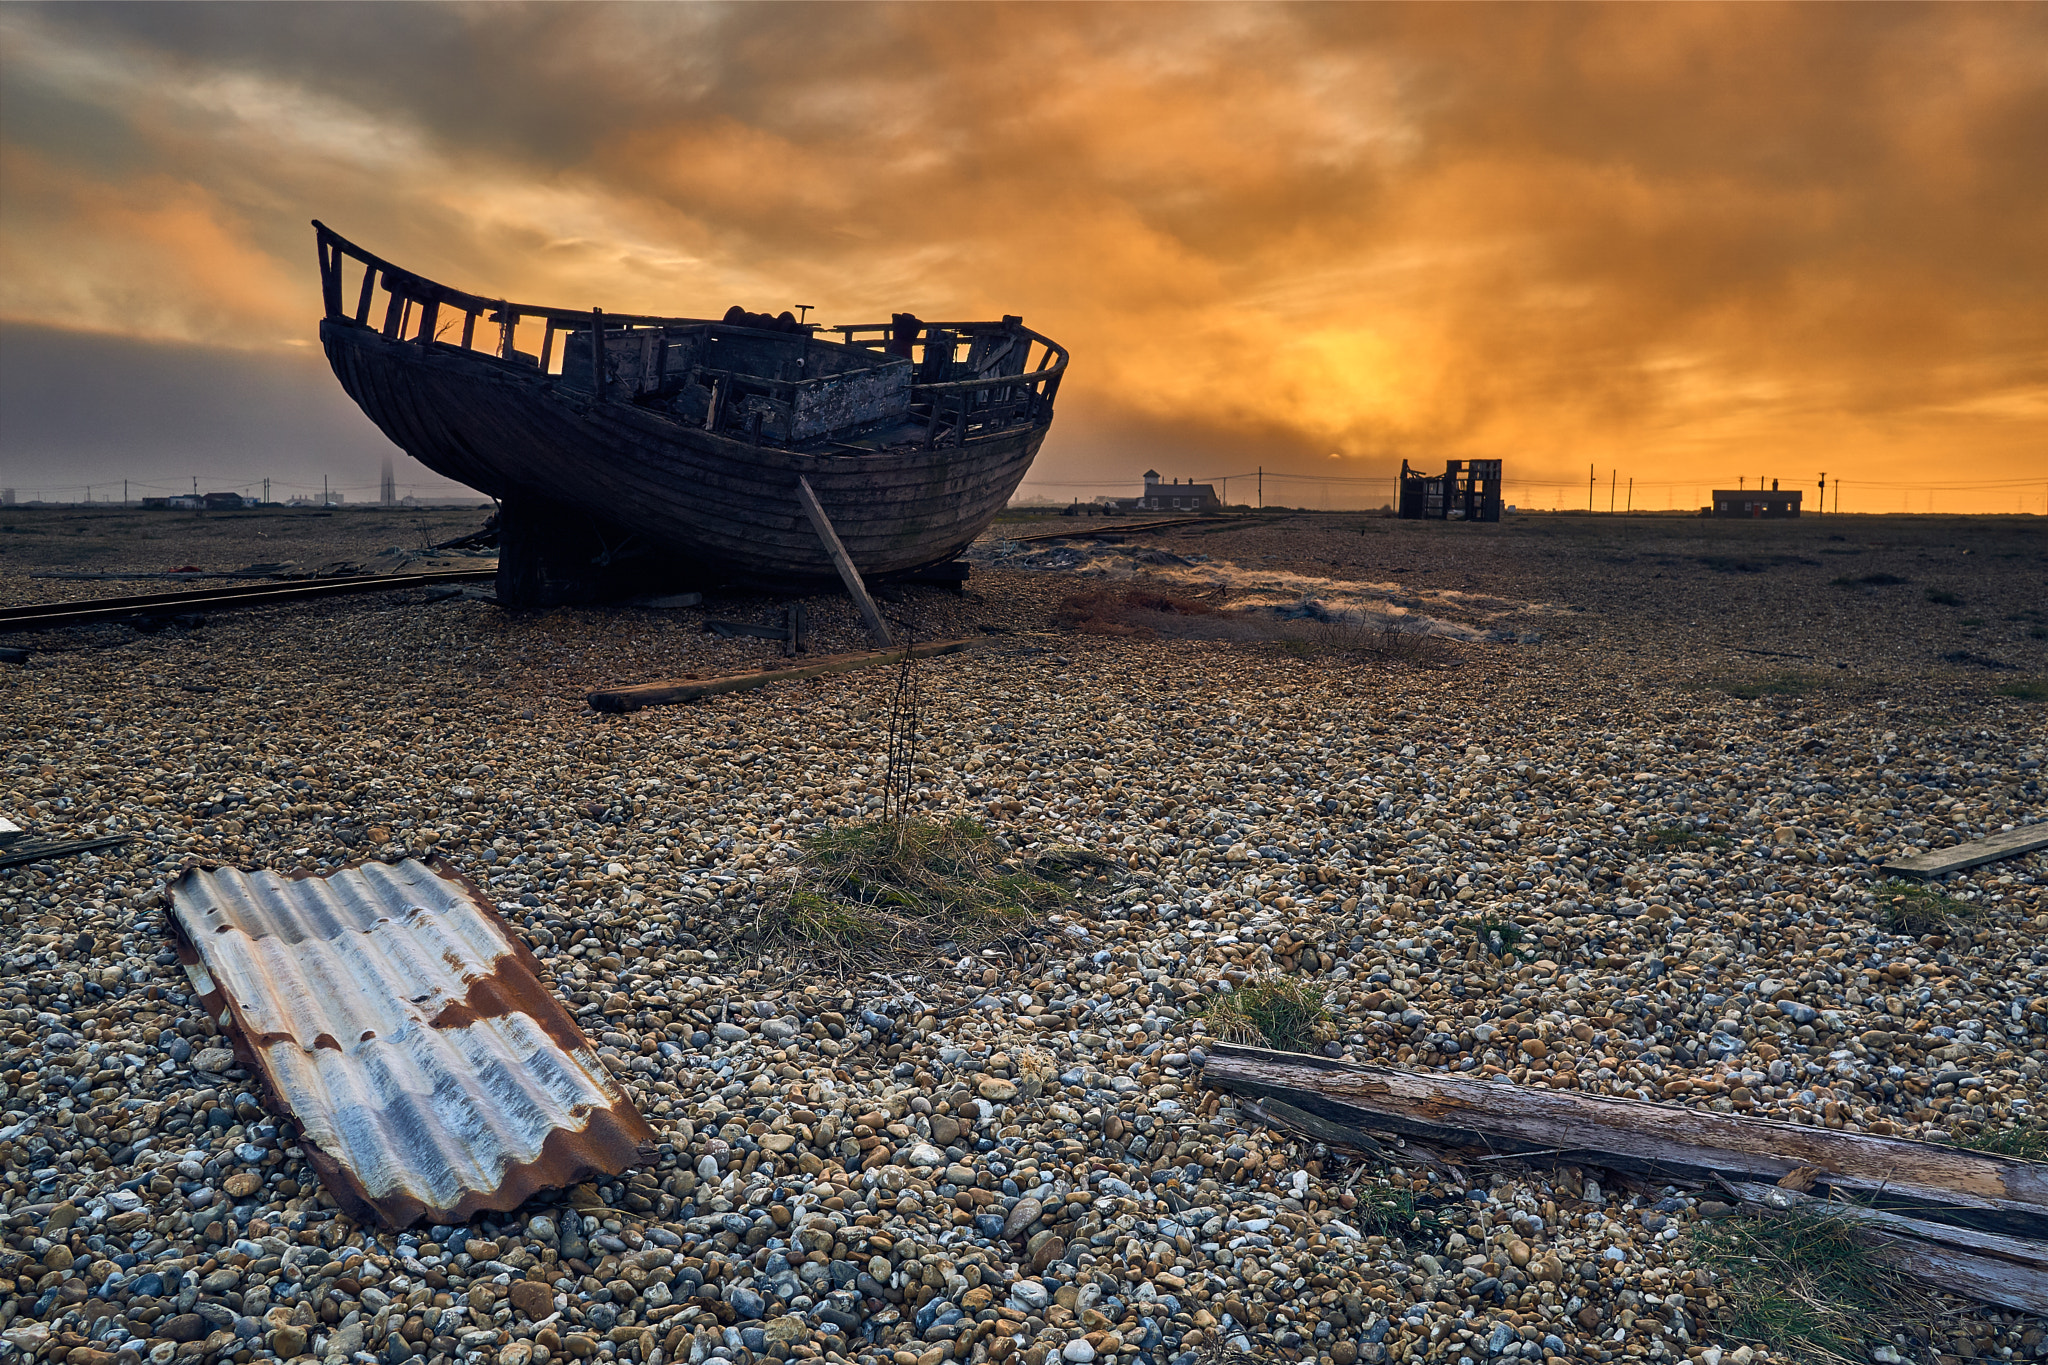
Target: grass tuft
x,y
1386,1211
914,889
2031,689
1913,910
2026,1141
1502,938
1869,580
1378,641
1126,611
1282,1012
1943,597
1804,1281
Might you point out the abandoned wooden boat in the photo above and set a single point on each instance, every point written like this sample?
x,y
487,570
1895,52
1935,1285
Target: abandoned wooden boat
x,y
635,452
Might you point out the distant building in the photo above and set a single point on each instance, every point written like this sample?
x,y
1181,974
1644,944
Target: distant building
x,y
1754,502
1170,497
1467,490
226,502
182,500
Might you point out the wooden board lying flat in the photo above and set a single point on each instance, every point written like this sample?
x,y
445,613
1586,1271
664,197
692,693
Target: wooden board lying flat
x,y
2010,844
690,689
1629,1133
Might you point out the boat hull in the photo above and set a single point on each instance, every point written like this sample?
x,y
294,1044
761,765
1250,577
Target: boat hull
x,y
727,506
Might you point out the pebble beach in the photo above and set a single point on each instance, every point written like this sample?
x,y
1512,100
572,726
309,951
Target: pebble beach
x,y
1624,837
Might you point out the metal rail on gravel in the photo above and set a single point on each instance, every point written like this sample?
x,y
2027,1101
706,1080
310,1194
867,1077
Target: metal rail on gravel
x,y
40,616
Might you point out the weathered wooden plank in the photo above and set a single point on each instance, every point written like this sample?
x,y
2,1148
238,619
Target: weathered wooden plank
x,y
633,698
1629,1134
2008,844
1986,1279
848,574
2018,1249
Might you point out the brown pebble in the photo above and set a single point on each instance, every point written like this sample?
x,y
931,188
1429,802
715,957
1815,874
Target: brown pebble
x,y
536,1301
1534,1048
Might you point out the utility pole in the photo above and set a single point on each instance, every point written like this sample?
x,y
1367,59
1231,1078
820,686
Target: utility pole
x,y
1262,486
1823,491
1631,494
323,490
124,492
1589,488
1612,476
195,485
266,490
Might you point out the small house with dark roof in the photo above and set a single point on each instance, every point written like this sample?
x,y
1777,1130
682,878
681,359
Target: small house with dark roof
x,y
1171,497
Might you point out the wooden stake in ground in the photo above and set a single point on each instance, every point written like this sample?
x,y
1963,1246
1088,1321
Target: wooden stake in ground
x,y
843,562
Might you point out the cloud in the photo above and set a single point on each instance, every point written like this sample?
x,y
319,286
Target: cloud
x,y
1687,237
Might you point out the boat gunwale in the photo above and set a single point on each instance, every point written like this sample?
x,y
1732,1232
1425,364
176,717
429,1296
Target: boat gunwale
x,y
419,289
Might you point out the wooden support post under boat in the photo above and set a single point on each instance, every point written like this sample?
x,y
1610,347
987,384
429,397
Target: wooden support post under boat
x,y
842,561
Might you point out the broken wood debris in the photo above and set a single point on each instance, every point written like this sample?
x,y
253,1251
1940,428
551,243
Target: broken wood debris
x,y
2008,844
790,633
28,849
2009,1271
633,698
2017,1249
1633,1135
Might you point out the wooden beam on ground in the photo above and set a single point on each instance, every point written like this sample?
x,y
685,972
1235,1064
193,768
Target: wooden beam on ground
x,y
2010,844
2016,1249
691,689
1631,1134
2006,1271
849,575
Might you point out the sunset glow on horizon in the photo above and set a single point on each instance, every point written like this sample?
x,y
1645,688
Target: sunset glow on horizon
x,y
1678,245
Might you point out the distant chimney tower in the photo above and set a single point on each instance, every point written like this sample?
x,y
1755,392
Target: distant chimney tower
x,y
388,488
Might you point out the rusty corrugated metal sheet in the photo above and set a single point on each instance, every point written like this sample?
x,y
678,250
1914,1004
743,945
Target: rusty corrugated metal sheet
x,y
400,1021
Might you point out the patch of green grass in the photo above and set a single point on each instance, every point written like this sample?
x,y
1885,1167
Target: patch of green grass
x,y
1282,1012
1681,836
1916,911
1386,1211
1943,597
1502,938
1971,621
914,889
1869,580
2030,689
2027,1141
1804,1281
2038,633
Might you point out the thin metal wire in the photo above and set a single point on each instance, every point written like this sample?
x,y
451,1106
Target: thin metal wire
x,y
905,719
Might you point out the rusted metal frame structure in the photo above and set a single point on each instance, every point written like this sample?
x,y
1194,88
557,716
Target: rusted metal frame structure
x,y
1012,395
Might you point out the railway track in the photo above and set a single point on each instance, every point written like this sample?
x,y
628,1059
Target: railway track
x,y
47,615
1104,529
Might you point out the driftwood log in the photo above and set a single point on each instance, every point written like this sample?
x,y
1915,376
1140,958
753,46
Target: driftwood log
x,y
638,695
2009,1271
1634,1135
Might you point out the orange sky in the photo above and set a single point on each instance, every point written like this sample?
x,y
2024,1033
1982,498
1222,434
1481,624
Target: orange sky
x,y
1687,242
